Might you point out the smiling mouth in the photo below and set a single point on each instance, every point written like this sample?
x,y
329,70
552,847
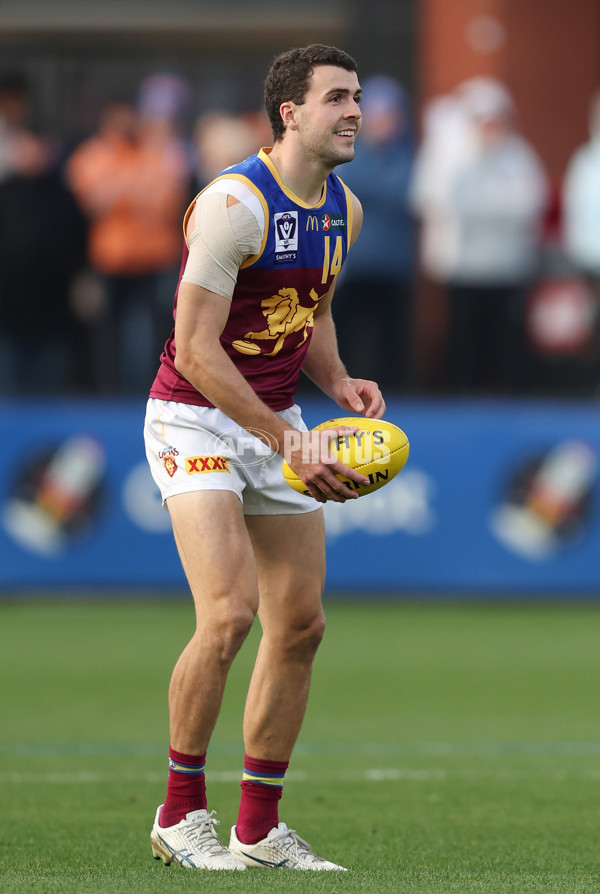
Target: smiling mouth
x,y
345,133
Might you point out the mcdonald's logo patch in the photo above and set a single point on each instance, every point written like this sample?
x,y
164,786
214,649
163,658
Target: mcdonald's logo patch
x,y
194,464
312,222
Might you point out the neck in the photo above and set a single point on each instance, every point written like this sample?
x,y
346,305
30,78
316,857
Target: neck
x,y
304,177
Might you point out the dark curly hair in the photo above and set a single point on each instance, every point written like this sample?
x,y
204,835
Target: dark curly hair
x,y
287,80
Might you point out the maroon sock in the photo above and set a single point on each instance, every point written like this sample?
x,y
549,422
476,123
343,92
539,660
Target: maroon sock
x,y
186,787
262,786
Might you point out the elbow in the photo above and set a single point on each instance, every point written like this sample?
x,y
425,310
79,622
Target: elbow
x,y
186,363
195,367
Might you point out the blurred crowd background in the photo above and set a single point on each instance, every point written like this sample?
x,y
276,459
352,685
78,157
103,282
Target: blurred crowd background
x,y
478,268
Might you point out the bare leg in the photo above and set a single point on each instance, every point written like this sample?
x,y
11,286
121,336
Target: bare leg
x,y
216,554
290,559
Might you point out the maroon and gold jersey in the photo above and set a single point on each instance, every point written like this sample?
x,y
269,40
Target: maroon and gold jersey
x,y
278,290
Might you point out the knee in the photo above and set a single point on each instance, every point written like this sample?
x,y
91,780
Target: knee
x,y
302,639
225,633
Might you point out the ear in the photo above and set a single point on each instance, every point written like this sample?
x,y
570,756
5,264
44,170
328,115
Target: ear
x,y
287,110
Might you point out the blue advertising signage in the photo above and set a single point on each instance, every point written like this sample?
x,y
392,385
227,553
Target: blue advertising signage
x,y
496,498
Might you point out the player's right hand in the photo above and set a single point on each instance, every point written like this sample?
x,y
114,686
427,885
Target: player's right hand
x,y
309,455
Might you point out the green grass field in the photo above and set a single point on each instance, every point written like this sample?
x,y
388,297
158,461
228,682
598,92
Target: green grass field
x,y
447,748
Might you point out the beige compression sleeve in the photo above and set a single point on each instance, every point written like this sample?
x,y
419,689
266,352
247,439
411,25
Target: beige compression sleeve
x,y
222,237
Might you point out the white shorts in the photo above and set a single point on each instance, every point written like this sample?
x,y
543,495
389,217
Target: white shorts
x,y
193,448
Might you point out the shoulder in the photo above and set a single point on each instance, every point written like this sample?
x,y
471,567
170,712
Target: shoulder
x,y
237,188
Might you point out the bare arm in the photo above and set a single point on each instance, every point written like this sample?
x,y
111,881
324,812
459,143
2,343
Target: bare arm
x,y
200,358
202,315
323,363
324,366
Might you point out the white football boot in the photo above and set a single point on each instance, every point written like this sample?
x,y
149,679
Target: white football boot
x,y
193,843
281,849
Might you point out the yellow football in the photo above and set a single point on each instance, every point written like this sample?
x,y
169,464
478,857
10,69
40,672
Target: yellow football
x,y
378,450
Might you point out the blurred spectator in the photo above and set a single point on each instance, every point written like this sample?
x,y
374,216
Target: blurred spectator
x,y
581,203
447,143
581,232
164,100
221,139
493,198
14,118
375,291
131,179
42,248
164,106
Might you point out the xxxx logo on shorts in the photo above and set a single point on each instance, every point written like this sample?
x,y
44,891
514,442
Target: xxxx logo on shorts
x,y
195,464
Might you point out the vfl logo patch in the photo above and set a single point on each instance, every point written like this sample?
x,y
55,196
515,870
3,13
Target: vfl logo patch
x,y
286,230
195,464
286,235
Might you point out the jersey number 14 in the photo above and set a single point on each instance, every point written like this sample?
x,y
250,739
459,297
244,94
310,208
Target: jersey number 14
x,y
332,264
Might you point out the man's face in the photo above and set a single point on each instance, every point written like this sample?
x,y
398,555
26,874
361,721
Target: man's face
x,y
330,118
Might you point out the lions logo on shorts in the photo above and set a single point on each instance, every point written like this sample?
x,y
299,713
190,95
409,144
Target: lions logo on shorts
x,y
168,458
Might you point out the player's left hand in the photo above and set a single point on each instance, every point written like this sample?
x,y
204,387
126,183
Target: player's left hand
x,y
360,396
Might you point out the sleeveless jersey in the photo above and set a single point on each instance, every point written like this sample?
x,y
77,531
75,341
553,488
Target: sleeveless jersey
x,y
278,290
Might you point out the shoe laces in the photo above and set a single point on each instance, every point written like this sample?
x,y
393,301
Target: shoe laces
x,y
202,832
291,841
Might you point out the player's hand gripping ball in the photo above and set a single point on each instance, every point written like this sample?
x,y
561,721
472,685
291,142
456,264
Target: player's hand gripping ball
x,y
378,450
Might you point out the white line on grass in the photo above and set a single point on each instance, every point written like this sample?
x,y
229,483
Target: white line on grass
x,y
373,774
319,749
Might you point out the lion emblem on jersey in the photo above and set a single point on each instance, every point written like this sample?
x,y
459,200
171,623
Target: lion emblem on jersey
x,y
284,315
